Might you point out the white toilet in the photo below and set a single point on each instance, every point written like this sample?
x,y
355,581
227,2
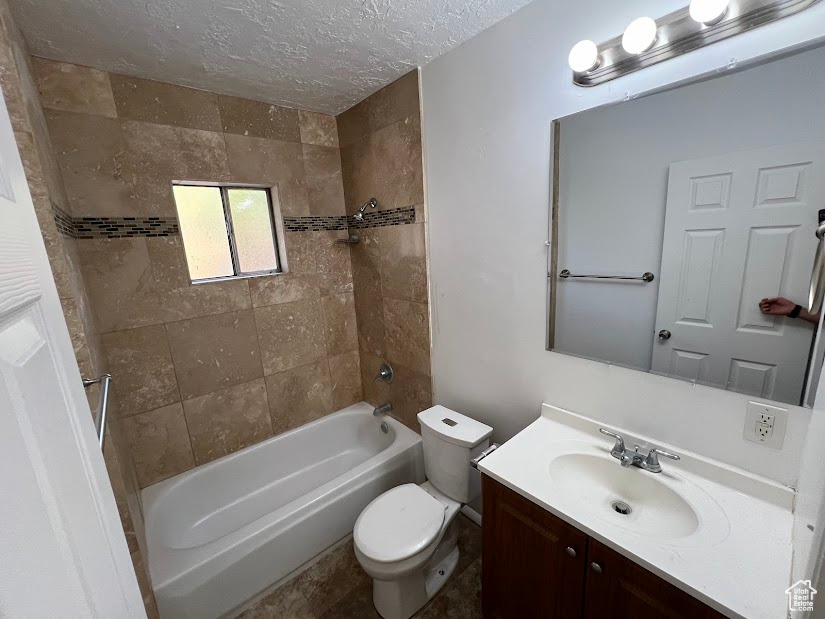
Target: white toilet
x,y
403,539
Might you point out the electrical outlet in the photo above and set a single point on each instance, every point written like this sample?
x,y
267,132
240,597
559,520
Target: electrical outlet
x,y
765,424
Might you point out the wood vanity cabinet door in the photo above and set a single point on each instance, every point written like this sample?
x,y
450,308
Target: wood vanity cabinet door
x,y
527,571
618,589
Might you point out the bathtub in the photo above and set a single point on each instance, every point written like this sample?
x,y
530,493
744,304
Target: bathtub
x,y
221,534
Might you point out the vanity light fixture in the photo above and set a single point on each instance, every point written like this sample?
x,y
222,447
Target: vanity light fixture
x,y
708,12
639,36
646,41
584,56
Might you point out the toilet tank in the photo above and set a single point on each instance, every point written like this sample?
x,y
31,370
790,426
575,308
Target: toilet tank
x,y
450,441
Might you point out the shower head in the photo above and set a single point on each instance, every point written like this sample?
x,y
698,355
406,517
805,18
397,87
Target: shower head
x,y
359,216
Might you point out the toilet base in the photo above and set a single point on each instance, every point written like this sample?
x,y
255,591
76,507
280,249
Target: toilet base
x,y
402,598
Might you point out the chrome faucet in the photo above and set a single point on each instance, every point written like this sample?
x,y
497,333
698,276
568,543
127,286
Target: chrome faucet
x,y
649,462
382,409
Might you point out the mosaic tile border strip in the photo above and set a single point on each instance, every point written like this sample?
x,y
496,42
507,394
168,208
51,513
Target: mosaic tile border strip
x,y
315,223
374,219
127,227
378,219
63,221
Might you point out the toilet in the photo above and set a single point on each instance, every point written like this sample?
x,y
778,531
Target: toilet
x,y
405,539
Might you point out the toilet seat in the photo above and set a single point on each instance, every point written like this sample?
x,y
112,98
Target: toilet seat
x,y
398,524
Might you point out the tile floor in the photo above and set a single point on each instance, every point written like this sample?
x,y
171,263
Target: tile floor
x,y
337,588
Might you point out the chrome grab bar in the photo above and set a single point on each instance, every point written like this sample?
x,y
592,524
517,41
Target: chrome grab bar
x,y
100,417
816,292
646,277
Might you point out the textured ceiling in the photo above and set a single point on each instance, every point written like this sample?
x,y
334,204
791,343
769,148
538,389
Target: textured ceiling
x,y
321,55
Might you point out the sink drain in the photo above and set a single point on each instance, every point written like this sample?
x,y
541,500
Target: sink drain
x,y
621,507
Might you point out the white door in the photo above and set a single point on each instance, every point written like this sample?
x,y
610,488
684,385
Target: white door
x,y
62,549
739,228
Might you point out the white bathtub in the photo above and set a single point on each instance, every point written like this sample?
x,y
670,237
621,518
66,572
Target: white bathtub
x,y
220,534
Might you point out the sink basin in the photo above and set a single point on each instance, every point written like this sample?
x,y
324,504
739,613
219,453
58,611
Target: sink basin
x,y
655,508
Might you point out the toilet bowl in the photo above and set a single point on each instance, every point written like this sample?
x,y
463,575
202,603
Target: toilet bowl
x,y
405,539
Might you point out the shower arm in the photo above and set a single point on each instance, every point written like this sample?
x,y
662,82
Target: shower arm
x,y
359,216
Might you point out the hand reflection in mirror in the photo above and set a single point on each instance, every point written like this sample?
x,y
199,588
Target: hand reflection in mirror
x,y
780,306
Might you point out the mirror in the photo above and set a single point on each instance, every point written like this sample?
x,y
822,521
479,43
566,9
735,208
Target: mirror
x,y
706,198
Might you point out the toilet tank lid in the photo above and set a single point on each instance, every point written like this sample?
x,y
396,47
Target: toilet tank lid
x,y
454,427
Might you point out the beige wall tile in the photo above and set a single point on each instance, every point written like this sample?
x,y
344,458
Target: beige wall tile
x,y
410,393
119,490
71,314
259,119
180,298
270,162
375,393
398,164
91,153
358,174
167,104
140,362
286,288
390,104
366,262
118,441
120,285
325,190
333,262
159,443
369,312
339,322
300,252
290,334
404,262
319,129
407,334
345,377
225,421
214,352
158,154
71,87
299,395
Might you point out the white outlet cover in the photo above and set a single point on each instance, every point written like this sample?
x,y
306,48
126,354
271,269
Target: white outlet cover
x,y
752,412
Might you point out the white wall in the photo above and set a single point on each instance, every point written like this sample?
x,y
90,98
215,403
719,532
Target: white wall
x,y
613,188
810,500
487,108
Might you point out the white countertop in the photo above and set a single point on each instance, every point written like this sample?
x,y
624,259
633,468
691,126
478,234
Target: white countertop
x,y
739,563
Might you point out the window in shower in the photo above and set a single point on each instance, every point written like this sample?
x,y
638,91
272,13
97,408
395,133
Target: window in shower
x,y
228,231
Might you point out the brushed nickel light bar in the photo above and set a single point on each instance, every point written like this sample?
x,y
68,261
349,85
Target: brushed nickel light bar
x,y
647,42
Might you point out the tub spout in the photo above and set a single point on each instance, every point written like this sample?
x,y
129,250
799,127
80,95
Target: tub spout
x,y
382,409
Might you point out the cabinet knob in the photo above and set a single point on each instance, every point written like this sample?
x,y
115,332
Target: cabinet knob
x,y
596,567
570,551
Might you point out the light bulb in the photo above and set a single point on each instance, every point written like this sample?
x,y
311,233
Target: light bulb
x,y
639,36
583,57
708,12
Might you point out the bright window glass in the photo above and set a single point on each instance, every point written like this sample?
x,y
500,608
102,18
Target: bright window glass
x,y
252,226
227,231
203,228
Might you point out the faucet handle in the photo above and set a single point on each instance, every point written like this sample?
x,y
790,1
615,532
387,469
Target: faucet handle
x,y
618,447
652,461
385,373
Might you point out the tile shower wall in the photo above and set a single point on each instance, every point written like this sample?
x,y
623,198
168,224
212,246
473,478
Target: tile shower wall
x,y
202,371
381,158
50,203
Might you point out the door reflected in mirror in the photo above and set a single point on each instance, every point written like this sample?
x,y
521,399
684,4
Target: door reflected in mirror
x,y
685,230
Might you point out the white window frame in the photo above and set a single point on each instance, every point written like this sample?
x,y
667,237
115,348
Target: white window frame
x,y
276,224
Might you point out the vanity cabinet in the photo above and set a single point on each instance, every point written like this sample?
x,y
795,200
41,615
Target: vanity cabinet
x,y
535,565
